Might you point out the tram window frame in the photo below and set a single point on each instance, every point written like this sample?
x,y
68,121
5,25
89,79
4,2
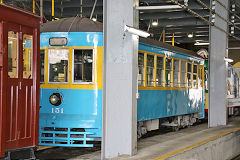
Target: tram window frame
x,y
176,69
142,81
73,63
13,66
161,81
152,67
27,57
183,73
170,70
189,85
44,58
195,76
50,82
200,79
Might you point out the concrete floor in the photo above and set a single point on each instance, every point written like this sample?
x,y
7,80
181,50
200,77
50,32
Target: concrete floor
x,y
164,145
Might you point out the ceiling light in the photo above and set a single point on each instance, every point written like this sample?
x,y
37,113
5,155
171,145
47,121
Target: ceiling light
x,y
190,35
94,19
154,23
136,31
201,43
228,59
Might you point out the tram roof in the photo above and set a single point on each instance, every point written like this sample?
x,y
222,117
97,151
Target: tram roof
x,y
73,24
168,46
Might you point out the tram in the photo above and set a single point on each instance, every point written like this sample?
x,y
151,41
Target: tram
x,y
19,79
170,84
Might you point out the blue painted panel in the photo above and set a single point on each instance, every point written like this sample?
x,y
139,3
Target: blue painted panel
x,y
154,104
80,109
75,39
163,51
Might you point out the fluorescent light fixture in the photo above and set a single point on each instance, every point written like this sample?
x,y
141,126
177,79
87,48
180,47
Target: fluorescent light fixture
x,y
155,23
158,7
201,43
94,19
190,35
228,59
136,31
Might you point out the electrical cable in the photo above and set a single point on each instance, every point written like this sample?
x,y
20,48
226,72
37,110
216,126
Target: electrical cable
x,y
213,12
204,19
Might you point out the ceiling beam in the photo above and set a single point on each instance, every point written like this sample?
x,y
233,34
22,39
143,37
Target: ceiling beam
x,y
175,14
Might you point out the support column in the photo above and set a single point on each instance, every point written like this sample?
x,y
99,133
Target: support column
x,y
217,67
119,79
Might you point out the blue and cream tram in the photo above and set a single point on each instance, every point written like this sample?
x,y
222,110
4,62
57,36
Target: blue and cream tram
x,y
170,84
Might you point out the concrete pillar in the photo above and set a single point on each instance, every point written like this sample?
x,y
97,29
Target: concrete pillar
x,y
217,68
119,79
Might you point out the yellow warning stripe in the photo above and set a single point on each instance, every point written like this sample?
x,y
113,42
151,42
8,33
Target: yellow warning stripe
x,y
197,144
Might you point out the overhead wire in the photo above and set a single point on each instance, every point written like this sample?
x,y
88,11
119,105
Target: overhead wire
x,y
204,19
213,12
228,9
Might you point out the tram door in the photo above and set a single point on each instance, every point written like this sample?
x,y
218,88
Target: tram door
x,y
19,125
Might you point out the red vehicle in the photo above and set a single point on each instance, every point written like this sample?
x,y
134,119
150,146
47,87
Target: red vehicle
x,y
19,78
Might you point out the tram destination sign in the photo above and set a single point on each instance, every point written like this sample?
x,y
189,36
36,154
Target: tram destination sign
x,y
58,41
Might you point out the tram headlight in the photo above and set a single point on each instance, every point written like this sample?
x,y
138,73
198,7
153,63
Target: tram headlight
x,y
55,99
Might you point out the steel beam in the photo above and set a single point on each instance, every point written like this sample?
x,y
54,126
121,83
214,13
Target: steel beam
x,y
119,79
217,69
174,14
180,22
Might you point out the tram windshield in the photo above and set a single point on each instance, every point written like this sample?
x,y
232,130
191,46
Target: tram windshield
x,y
58,65
83,65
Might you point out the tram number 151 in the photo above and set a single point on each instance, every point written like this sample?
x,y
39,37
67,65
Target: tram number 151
x,y
57,110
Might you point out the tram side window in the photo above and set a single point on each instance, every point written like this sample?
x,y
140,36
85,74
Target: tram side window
x,y
42,68
58,65
27,56
195,76
183,73
176,73
83,65
150,70
160,71
168,72
12,54
200,71
189,75
140,69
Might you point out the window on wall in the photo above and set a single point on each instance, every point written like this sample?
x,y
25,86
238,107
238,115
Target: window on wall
x,y
183,74
195,75
58,65
27,56
189,75
150,70
140,69
83,65
12,54
168,72
160,71
42,63
176,73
